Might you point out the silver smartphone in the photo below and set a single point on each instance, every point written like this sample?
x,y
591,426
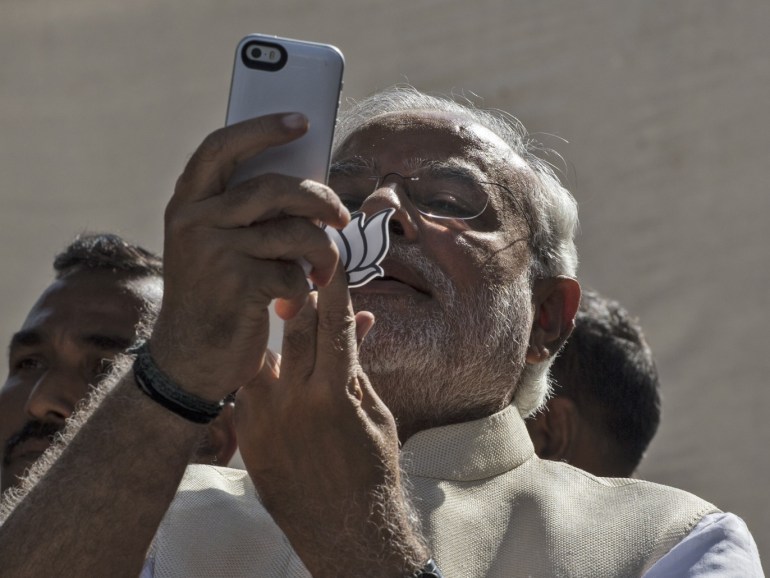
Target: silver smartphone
x,y
273,74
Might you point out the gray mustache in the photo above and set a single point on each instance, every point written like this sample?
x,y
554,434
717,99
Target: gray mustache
x,y
410,256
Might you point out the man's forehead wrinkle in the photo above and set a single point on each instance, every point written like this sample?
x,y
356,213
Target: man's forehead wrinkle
x,y
469,149
395,123
91,313
464,127
145,287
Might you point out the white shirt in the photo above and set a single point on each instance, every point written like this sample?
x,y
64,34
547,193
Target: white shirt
x,y
720,545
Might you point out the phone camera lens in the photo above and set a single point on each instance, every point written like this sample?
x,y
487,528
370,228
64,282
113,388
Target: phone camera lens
x,y
263,55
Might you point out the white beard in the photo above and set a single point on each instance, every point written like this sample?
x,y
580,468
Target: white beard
x,y
459,358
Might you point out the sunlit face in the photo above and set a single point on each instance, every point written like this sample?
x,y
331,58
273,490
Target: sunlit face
x,y
453,311
64,346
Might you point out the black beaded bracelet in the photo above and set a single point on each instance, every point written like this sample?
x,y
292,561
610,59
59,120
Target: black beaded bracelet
x,y
158,387
430,570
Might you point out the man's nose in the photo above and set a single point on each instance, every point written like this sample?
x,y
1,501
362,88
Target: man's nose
x,y
390,196
55,395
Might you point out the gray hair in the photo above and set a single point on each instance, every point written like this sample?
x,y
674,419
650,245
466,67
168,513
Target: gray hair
x,y
550,210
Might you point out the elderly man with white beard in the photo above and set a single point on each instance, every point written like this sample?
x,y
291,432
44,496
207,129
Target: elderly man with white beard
x,y
388,439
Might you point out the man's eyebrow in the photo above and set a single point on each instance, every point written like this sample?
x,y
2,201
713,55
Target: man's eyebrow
x,y
25,338
107,342
450,169
353,165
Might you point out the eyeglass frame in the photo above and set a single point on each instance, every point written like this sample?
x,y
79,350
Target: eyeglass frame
x,y
379,180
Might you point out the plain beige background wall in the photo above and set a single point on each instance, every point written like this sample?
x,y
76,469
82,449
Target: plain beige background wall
x,y
663,105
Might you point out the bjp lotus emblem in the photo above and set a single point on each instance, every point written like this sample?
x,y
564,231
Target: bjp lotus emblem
x,y
363,244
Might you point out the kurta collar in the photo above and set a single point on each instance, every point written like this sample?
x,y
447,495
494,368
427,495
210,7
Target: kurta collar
x,y
468,451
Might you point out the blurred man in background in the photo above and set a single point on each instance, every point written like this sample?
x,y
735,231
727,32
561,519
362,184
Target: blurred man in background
x,y
606,404
105,295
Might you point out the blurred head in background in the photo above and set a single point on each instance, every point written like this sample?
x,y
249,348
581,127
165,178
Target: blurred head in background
x,y
605,407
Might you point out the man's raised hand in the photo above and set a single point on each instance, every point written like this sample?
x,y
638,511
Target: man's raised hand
x,y
229,252
322,448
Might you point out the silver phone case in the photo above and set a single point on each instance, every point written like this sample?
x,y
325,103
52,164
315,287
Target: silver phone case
x,y
310,82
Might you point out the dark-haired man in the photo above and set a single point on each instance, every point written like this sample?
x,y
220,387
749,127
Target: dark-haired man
x,y
106,292
478,295
606,404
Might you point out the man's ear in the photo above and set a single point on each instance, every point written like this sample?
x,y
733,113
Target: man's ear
x,y
554,429
220,443
556,302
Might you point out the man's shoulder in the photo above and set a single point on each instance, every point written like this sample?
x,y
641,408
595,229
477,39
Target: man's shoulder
x,y
583,482
637,509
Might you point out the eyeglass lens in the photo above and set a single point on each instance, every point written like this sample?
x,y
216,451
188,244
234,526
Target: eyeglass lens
x,y
439,197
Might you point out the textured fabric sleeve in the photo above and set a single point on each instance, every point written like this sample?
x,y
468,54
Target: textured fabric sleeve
x,y
719,546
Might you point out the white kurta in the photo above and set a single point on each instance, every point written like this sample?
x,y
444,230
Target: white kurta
x,y
489,507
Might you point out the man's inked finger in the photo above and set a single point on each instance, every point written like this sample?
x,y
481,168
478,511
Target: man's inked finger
x,y
212,164
336,325
299,343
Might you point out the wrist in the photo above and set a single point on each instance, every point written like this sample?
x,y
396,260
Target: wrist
x,y
375,546
409,552
159,387
185,356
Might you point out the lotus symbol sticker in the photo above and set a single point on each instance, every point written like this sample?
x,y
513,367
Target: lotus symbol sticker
x,y
363,244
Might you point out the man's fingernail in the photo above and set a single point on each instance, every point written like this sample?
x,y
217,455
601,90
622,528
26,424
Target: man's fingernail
x,y
294,121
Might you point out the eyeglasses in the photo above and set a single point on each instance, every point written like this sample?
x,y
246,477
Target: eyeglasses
x,y
438,197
